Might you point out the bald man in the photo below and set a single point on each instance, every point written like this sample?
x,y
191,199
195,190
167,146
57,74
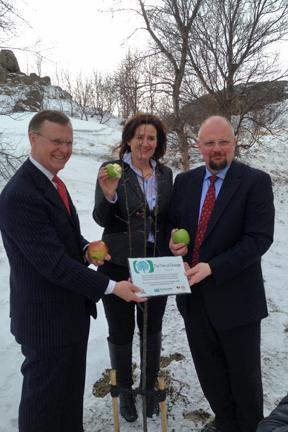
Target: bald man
x,y
227,207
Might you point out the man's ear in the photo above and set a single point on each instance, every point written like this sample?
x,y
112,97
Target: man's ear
x,y
32,137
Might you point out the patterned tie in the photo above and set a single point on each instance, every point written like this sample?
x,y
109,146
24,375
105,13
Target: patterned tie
x,y
204,219
61,188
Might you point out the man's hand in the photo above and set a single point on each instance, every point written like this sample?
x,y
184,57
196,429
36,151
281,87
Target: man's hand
x,y
177,249
126,291
197,273
108,185
96,262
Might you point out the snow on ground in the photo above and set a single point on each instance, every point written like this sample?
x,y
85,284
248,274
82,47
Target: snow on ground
x,y
187,407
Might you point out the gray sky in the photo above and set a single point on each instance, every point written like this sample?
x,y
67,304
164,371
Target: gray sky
x,y
75,36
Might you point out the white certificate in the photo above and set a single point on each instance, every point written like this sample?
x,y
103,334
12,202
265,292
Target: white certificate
x,y
159,276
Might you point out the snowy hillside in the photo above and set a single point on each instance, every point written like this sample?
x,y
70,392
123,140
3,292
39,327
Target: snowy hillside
x,y
187,407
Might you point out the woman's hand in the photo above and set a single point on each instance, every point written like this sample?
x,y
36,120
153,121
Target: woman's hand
x,y
108,185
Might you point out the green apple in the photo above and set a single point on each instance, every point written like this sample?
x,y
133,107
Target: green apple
x,y
181,236
114,170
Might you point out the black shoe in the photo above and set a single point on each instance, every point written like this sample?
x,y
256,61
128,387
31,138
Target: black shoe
x,y
210,427
152,405
127,407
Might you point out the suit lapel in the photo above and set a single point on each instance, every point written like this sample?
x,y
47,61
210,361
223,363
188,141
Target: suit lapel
x,y
161,188
131,178
44,185
194,188
74,216
230,185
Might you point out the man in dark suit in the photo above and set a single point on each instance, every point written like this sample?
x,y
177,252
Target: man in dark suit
x,y
227,207
277,421
53,292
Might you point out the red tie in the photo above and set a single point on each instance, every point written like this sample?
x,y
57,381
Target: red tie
x,y
204,219
61,188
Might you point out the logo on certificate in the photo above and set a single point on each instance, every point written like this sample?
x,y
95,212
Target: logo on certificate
x,y
143,266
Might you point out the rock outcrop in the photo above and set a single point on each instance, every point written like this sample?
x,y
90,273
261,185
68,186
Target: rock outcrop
x,y
8,61
20,92
247,98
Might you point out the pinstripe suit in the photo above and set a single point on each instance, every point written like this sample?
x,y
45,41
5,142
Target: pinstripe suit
x,y
52,297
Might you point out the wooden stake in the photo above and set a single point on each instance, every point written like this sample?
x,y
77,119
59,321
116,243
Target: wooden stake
x,y
115,402
163,406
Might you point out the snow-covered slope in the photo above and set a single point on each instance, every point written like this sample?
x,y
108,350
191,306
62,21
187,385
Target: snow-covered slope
x,y
187,407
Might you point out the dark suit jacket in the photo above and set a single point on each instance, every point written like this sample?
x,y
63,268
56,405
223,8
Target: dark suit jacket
x,y
125,224
53,293
277,421
239,232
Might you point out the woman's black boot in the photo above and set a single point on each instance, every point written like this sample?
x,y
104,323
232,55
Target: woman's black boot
x,y
121,361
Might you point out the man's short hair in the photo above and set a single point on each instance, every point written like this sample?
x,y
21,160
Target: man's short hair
x,y
50,115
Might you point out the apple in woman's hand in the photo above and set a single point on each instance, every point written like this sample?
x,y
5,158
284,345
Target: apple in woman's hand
x,y
181,236
114,170
97,250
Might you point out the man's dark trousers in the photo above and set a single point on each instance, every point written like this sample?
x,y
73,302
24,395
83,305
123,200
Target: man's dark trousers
x,y
61,368
223,361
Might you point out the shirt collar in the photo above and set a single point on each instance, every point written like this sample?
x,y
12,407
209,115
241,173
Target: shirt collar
x,y
127,157
220,174
41,168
